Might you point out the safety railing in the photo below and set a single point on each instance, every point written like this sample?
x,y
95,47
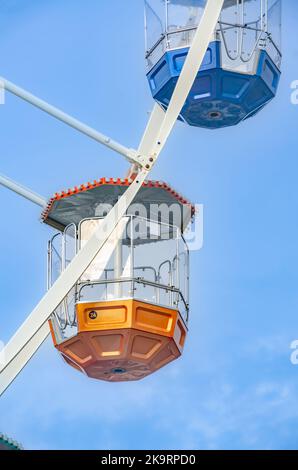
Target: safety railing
x,y
243,30
141,281
183,38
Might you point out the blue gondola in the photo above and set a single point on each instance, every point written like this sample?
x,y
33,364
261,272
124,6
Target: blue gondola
x,y
241,69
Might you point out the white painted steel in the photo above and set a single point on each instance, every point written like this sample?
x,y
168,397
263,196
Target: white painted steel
x,y
23,191
32,333
129,154
150,135
190,69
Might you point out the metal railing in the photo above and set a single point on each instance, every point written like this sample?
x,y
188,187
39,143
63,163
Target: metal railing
x,y
144,282
262,38
183,37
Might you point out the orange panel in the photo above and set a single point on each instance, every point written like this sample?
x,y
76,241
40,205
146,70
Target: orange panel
x,y
154,318
144,347
78,351
126,314
180,334
166,355
52,333
109,344
104,315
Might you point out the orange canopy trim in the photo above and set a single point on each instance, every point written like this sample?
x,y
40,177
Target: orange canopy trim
x,y
162,188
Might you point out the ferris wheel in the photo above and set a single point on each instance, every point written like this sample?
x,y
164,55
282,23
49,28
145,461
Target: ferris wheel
x,y
117,305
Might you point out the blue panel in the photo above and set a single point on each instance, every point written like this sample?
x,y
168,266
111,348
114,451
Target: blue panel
x,y
211,58
160,76
202,88
170,65
234,86
268,71
178,60
218,98
257,95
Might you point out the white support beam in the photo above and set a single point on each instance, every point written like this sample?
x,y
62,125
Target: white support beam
x,y
150,135
31,346
28,338
163,122
23,191
118,267
130,154
190,69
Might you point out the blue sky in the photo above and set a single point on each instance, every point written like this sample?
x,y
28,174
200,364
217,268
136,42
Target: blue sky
x,y
234,387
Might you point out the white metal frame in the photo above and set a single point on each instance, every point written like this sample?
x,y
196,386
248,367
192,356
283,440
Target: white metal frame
x,y
23,191
29,337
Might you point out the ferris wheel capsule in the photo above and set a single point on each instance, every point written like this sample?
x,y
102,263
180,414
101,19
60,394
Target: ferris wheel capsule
x,y
241,69
125,321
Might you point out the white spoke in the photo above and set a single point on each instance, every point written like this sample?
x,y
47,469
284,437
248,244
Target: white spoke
x,y
150,135
22,191
190,69
129,154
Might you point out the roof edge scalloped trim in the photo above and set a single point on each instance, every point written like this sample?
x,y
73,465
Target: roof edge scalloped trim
x,y
110,182
10,443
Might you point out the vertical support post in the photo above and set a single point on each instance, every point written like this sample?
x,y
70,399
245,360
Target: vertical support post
x,y
167,21
240,21
266,16
178,236
118,268
132,255
146,29
118,259
49,270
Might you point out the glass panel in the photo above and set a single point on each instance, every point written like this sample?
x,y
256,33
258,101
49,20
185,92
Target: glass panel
x,y
102,291
70,244
183,18
180,38
149,263
119,266
69,305
273,45
246,27
92,292
170,24
155,11
87,229
56,258
70,250
253,20
274,21
155,17
184,14
229,19
155,248
63,250
184,270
